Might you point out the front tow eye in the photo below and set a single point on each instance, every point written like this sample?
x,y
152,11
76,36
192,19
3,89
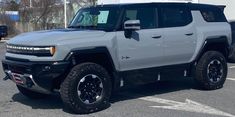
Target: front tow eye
x,y
8,75
6,78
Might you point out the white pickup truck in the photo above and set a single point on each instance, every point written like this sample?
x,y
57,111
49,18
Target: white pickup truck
x,y
111,46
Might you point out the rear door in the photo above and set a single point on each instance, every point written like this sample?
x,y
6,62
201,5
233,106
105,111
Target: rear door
x,y
179,34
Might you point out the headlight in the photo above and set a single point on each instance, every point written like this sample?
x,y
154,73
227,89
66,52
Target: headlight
x,y
52,50
31,50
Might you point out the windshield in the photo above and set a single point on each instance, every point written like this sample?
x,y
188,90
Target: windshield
x,y
96,18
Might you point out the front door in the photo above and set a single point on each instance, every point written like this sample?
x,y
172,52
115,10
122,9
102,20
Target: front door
x,y
144,48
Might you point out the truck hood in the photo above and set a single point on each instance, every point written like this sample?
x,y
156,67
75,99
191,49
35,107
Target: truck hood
x,y
52,37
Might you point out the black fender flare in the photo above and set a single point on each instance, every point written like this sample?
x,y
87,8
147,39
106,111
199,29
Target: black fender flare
x,y
217,40
92,50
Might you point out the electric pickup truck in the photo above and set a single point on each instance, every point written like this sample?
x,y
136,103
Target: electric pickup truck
x,y
107,47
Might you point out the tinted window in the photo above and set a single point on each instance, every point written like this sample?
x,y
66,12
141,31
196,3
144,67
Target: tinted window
x,y
174,17
213,15
145,15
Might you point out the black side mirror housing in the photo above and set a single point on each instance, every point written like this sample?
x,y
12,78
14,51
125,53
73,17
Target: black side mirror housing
x,y
130,26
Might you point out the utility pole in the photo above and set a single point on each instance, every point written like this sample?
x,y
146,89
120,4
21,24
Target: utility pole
x,y
65,13
30,4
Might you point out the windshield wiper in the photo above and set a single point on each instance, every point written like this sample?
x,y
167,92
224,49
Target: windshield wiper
x,y
88,27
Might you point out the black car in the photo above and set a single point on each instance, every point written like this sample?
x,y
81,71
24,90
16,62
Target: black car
x,y
3,31
232,57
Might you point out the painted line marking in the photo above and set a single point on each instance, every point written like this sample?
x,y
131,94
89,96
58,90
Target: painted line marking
x,y
188,106
231,67
233,79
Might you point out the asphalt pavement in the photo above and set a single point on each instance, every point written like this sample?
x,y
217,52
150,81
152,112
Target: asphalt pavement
x,y
180,98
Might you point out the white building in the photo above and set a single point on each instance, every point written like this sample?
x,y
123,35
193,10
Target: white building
x,y
229,10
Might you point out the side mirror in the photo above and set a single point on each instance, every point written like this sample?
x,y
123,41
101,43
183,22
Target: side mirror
x,y
130,26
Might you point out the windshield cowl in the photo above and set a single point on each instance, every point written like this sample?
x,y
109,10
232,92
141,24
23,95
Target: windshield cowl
x,y
88,28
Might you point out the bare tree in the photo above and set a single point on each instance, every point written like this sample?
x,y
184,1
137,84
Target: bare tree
x,y
82,3
74,5
42,13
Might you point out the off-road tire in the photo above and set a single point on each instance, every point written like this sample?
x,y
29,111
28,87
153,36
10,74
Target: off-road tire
x,y
69,89
31,94
201,75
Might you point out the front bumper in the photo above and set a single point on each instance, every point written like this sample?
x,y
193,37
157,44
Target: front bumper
x,y
36,76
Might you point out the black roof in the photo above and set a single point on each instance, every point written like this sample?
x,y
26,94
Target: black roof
x,y
190,5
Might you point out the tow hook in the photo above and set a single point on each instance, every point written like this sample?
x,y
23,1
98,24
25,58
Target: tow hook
x,y
6,78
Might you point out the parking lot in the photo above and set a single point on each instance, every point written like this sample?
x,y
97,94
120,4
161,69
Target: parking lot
x,y
179,98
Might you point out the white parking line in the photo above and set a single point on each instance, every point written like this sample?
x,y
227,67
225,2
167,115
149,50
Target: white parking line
x,y
233,79
232,67
188,106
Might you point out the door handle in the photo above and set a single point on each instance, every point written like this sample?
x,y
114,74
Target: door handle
x,y
156,37
189,34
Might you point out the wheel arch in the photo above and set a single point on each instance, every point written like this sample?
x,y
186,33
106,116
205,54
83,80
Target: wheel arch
x,y
220,44
94,54
98,55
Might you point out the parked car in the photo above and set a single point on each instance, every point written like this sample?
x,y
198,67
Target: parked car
x,y
107,47
3,31
232,52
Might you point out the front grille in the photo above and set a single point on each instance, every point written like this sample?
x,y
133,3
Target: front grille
x,y
20,49
29,50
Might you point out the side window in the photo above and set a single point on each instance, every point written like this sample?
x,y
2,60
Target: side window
x,y
174,17
213,15
145,15
208,16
